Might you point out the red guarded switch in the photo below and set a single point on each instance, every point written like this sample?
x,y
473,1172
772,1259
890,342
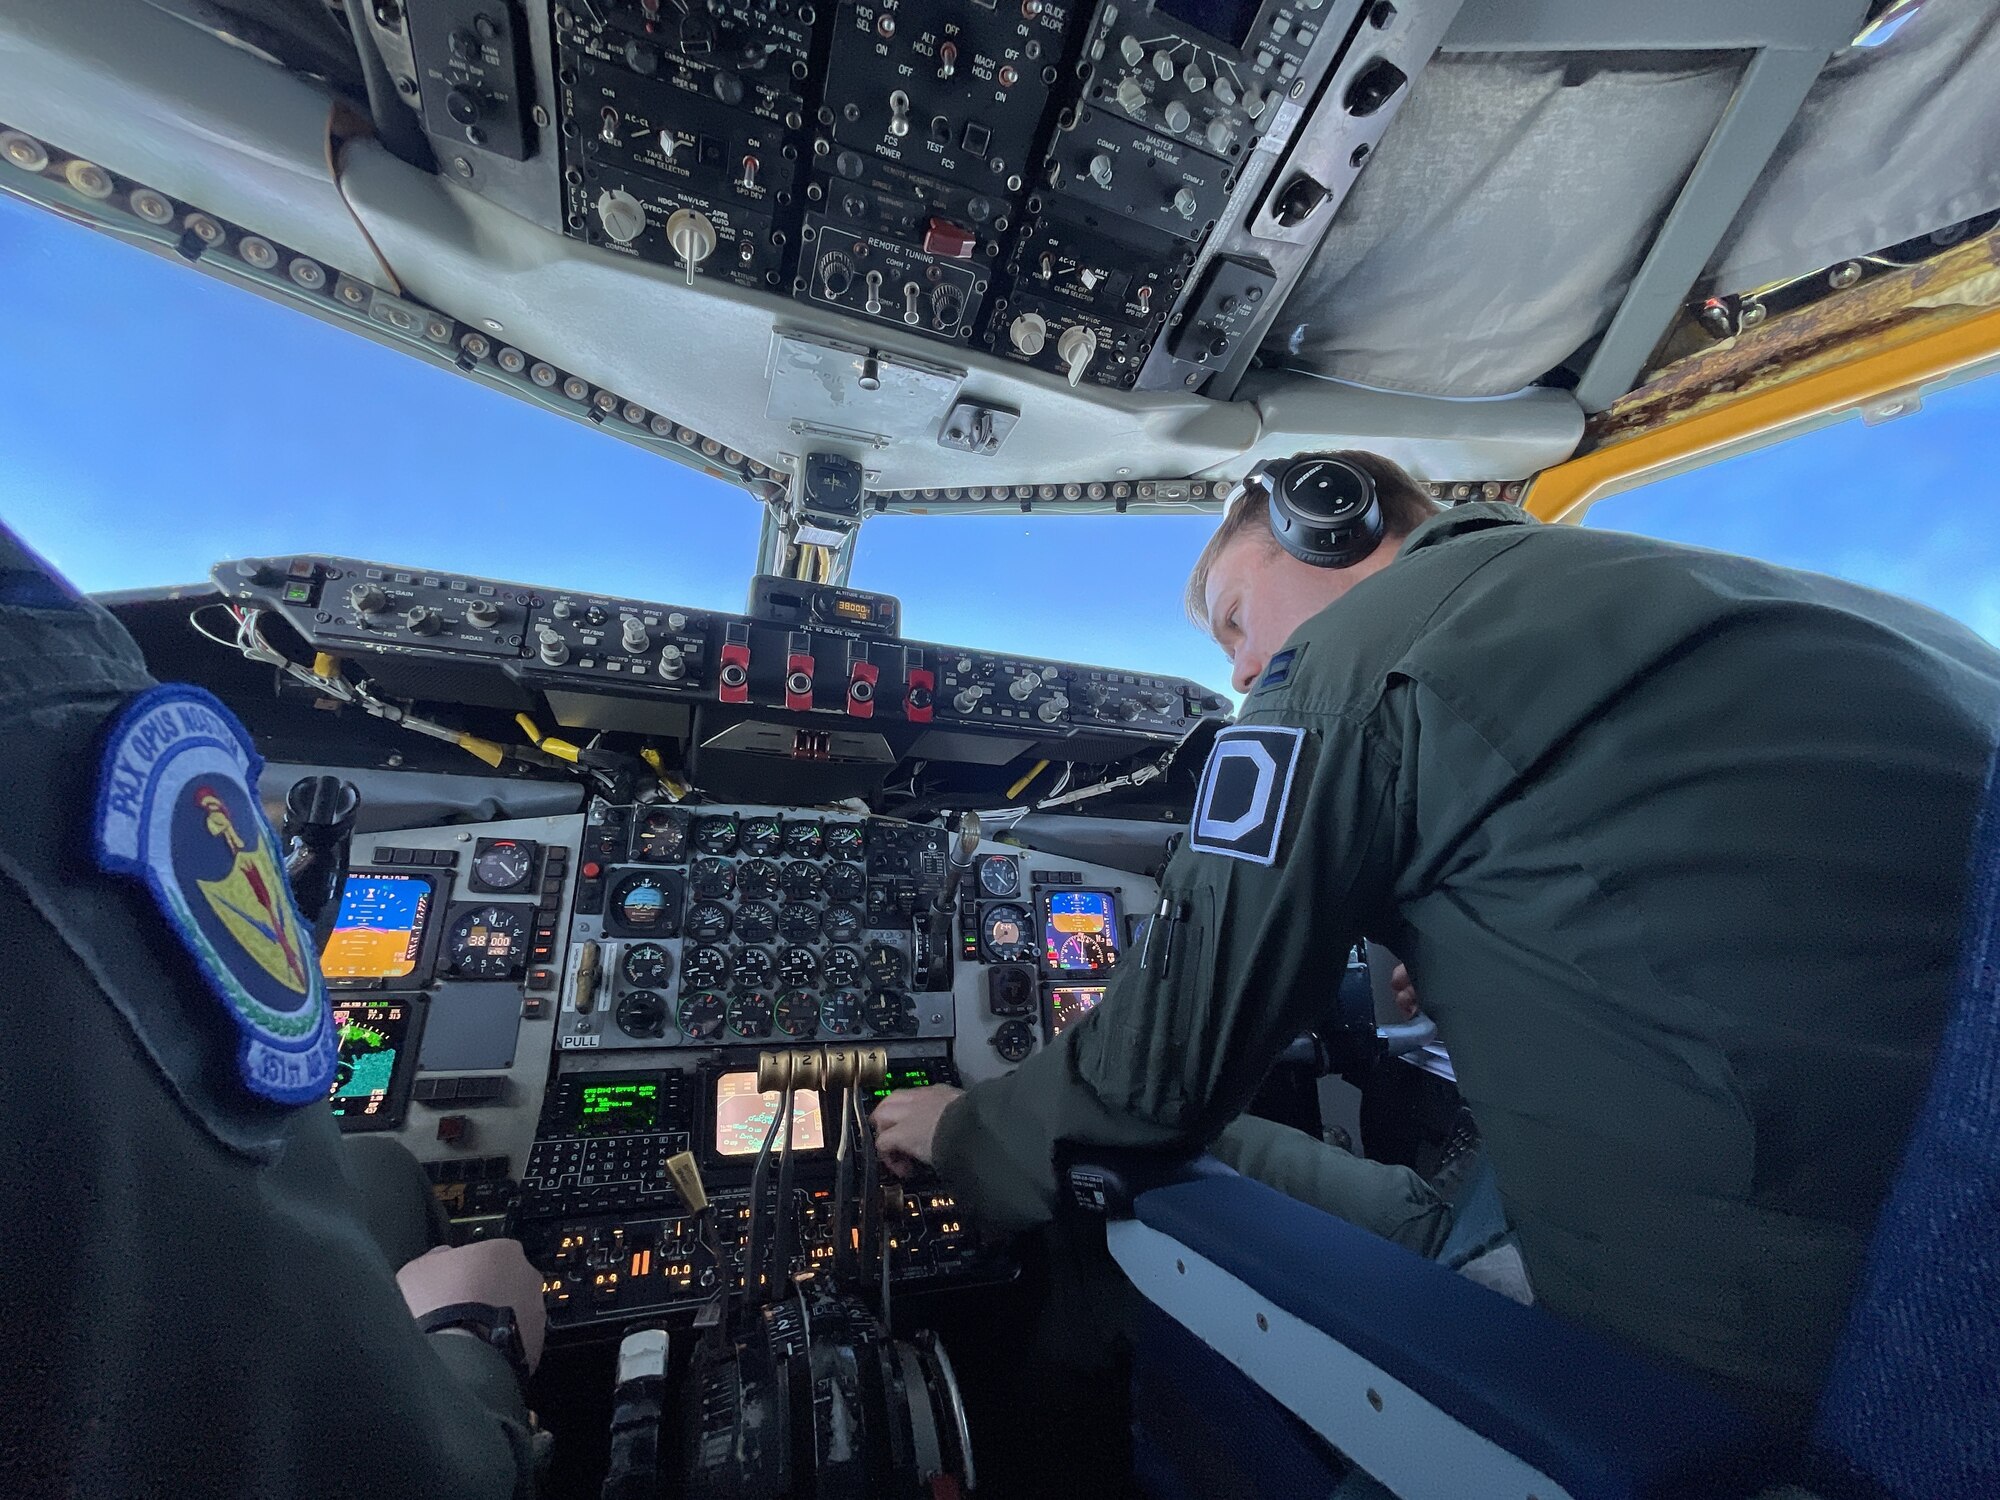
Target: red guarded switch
x,y
862,675
732,680
798,672
919,689
953,241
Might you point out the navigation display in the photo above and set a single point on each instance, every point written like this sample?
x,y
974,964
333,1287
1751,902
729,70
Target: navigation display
x,y
742,1115
1068,1006
379,931
1080,931
374,1039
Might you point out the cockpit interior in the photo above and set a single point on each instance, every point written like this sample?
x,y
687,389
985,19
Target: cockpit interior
x,y
632,910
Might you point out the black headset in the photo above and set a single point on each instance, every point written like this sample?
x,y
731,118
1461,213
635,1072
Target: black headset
x,y
1324,511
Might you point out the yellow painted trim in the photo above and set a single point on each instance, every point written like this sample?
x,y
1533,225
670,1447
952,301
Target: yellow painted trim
x,y
1566,490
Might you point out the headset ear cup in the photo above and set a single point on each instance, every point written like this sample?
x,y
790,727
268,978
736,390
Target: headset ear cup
x,y
1338,537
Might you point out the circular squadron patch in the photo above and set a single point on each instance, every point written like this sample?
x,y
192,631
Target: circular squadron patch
x,y
175,809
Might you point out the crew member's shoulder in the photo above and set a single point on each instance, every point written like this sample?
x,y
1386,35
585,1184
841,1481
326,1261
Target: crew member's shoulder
x,y
1338,661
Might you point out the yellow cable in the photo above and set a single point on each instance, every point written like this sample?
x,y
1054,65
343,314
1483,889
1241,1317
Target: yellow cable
x,y
326,665
528,728
1022,785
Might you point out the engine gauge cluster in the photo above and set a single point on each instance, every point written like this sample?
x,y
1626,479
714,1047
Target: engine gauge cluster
x,y
748,924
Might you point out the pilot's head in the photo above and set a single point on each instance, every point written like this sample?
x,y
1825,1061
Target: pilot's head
x,y
1251,594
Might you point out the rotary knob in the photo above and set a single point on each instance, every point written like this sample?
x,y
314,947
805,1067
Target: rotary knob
x,y
482,612
1185,202
367,599
677,621
622,216
1052,710
1177,117
1131,97
1193,79
424,620
1163,66
836,275
633,634
673,664
1101,170
1132,50
692,234
1220,136
553,650
1076,349
1023,685
1028,333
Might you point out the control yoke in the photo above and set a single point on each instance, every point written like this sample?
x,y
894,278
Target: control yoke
x,y
319,825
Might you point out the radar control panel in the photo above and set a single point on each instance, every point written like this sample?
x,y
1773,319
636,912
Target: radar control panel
x,y
1034,179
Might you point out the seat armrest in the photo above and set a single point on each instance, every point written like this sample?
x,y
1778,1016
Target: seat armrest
x,y
1104,1180
1598,1418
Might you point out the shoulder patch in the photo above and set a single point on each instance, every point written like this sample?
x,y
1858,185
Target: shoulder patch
x,y
1239,811
1279,671
176,811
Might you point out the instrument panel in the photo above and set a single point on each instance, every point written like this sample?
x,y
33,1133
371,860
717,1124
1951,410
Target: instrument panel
x,y
752,924
803,651
1033,178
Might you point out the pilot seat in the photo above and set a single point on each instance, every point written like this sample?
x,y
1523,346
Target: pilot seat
x,y
1286,1352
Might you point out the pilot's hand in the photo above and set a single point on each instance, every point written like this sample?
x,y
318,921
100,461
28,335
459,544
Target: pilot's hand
x,y
906,1126
495,1272
1405,990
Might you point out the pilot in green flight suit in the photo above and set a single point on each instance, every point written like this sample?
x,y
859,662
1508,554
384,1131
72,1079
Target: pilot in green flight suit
x,y
199,1287
1674,844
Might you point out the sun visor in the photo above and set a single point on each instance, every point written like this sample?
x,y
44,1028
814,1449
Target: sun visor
x,y
1502,218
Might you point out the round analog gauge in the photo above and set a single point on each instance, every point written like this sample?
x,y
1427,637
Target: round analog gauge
x,y
756,922
799,923
504,865
714,879
797,966
1008,937
845,882
716,835
760,836
752,968
663,835
751,1016
648,965
803,882
1014,1041
804,840
642,1014
891,1013
840,1013
843,840
999,875
643,903
708,921
797,1013
702,1014
489,942
704,969
842,924
886,967
842,967
759,880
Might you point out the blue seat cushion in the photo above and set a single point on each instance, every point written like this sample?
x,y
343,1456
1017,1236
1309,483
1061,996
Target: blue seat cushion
x,y
1599,1418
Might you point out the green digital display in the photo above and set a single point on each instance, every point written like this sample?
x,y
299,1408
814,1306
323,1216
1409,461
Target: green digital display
x,y
611,1107
916,1076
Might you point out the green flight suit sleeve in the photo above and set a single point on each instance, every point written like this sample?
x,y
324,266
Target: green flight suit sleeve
x,y
1191,1019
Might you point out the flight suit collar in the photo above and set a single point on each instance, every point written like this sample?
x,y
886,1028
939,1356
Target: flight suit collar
x,y
1474,515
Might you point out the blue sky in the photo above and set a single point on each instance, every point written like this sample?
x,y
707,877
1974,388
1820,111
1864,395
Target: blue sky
x,y
154,420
